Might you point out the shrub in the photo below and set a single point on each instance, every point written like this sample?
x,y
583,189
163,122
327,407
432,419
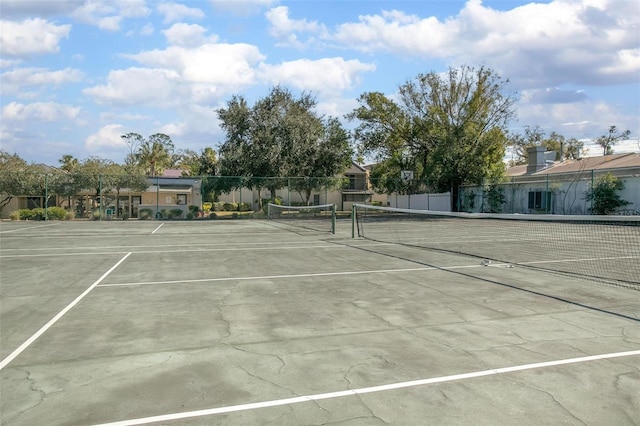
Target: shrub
x,y
69,215
175,214
234,215
145,214
125,216
96,215
218,206
15,215
212,215
190,216
164,214
194,210
604,195
244,207
495,198
230,207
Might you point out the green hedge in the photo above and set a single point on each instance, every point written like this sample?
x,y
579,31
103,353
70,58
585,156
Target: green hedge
x,y
52,213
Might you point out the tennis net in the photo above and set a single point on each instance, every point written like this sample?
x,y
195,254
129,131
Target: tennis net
x,y
320,218
601,248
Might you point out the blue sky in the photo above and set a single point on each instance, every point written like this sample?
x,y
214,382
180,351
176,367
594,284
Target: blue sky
x,y
77,74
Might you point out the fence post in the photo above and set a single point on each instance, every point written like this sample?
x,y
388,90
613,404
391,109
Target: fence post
x,y
46,196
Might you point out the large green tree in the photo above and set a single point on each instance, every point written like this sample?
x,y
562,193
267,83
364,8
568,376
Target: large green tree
x,y
450,128
279,136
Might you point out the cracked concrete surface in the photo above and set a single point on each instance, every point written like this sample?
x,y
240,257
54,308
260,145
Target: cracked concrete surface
x,y
173,345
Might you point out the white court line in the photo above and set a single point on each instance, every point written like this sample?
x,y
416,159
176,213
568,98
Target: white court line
x,y
360,391
315,274
28,229
55,319
159,226
251,243
174,251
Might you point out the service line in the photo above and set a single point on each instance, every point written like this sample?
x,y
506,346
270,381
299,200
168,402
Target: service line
x,y
27,229
55,319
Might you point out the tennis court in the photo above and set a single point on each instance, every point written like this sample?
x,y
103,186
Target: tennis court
x,y
243,322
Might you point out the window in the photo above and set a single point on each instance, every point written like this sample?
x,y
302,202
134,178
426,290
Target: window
x,y
181,199
539,200
316,199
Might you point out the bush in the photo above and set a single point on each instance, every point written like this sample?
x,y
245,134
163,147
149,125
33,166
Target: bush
x,y
218,206
230,207
15,215
212,215
96,215
69,215
175,214
194,210
190,216
244,207
56,213
604,195
145,214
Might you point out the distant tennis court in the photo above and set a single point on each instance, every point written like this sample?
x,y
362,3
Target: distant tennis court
x,y
251,322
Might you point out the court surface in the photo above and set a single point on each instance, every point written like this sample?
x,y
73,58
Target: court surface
x,y
249,322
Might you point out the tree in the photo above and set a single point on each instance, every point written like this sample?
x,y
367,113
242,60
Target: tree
x,y
604,195
68,162
318,161
610,139
133,141
453,125
154,154
573,149
13,177
279,136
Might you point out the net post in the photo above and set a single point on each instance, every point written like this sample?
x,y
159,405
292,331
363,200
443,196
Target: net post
x,y
333,219
353,220
269,211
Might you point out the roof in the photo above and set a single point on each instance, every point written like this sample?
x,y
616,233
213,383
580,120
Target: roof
x,y
172,173
607,162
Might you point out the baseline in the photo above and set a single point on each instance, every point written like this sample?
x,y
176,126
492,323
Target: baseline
x,y
361,391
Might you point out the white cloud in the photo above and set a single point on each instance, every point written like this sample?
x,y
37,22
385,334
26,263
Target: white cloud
x,y
534,44
174,12
284,28
39,112
138,86
108,136
31,36
109,15
228,67
325,76
185,35
17,80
